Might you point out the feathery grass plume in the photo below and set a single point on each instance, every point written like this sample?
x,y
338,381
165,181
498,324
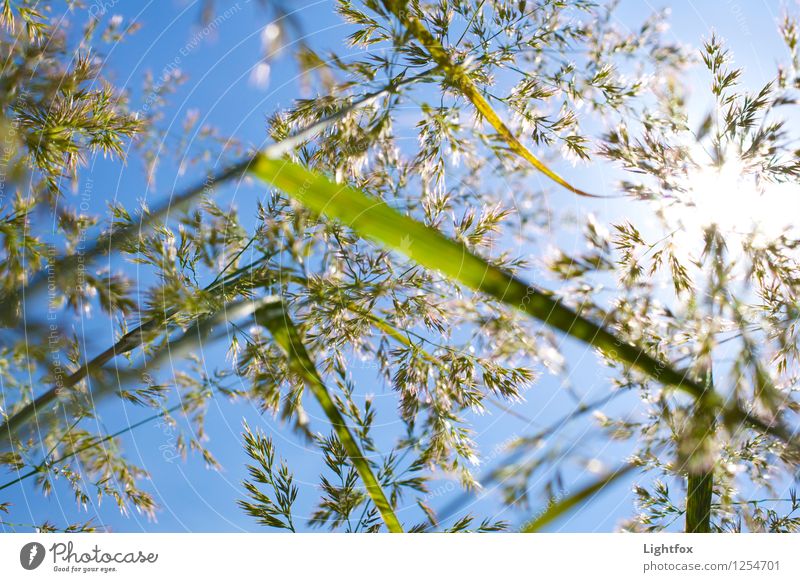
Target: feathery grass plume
x,y
459,77
272,509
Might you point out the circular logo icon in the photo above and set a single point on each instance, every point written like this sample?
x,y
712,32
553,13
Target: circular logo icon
x,y
31,555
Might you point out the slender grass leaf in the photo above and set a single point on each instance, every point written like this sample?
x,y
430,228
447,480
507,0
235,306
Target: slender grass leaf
x,y
375,220
561,508
699,490
277,320
700,481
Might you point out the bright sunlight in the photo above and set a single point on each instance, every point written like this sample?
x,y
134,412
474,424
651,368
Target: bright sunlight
x,y
732,197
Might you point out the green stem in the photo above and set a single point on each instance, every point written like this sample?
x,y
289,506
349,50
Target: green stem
x,y
700,481
373,219
698,502
277,320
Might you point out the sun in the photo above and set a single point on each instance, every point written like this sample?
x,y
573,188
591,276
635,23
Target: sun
x,y
731,197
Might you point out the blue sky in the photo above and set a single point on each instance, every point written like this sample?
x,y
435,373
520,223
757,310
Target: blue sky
x,y
218,61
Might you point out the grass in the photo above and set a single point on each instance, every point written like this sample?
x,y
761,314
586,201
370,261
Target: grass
x,y
375,220
459,79
563,506
287,337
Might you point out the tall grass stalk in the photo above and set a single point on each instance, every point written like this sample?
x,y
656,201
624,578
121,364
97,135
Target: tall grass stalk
x,y
375,220
287,337
700,480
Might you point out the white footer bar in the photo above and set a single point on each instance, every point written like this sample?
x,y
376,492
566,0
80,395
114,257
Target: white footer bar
x,y
463,557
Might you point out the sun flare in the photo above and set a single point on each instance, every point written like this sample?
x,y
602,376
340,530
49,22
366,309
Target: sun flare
x,y
731,197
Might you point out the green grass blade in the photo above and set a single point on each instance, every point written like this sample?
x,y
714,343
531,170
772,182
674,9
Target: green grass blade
x,y
283,330
375,220
560,508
